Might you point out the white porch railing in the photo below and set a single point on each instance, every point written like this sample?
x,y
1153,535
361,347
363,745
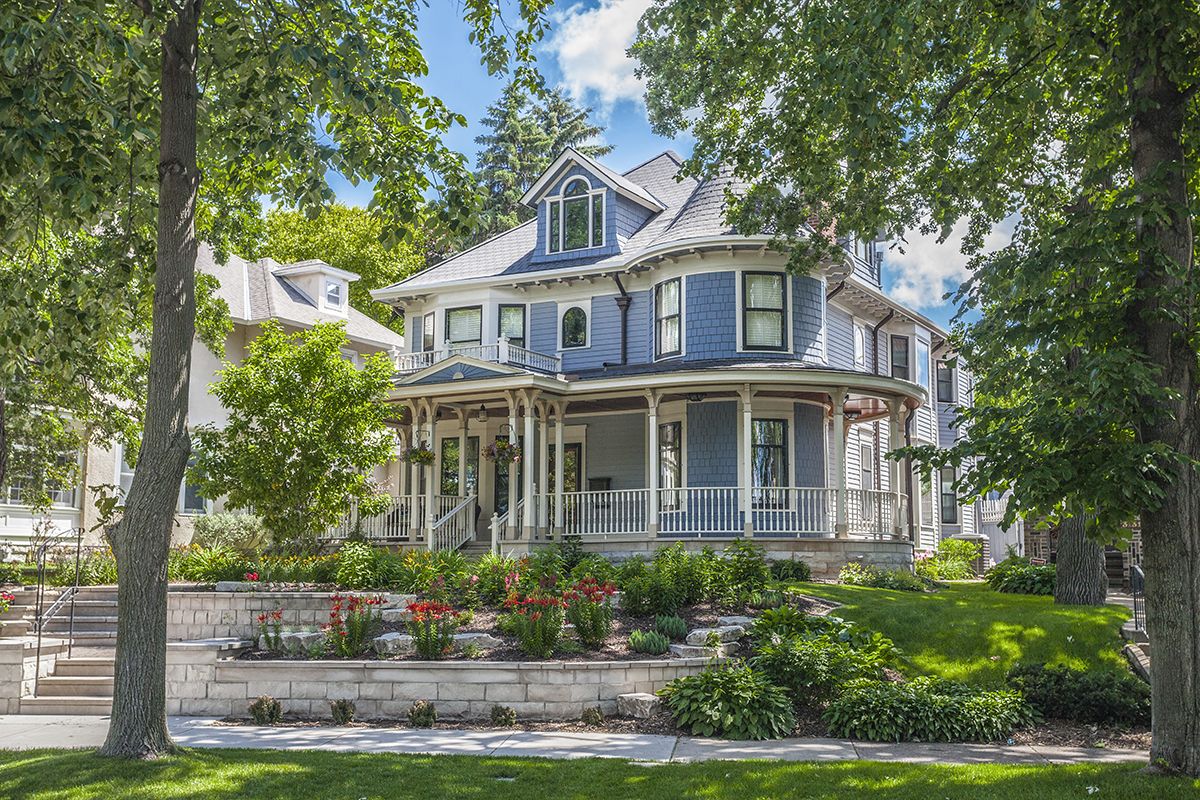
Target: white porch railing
x,y
397,523
456,527
694,511
501,352
992,511
794,511
873,513
612,513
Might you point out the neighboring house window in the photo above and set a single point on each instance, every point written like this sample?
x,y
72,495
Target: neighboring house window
x,y
925,484
667,319
949,498
945,382
866,464
21,489
923,363
900,360
576,219
449,484
512,324
333,294
764,311
670,462
574,327
190,500
860,346
769,461
427,343
464,326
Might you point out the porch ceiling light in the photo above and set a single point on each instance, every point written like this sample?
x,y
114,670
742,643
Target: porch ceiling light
x,y
695,397
481,414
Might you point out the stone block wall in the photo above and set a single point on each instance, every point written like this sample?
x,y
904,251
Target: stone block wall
x,y
215,615
203,680
20,665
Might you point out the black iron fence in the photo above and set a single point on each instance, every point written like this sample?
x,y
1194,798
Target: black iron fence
x,y
1137,587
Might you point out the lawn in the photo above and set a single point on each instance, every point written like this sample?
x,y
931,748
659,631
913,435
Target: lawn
x,y
969,632
260,774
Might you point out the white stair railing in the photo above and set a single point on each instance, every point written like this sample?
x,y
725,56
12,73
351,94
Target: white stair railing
x,y
456,527
391,524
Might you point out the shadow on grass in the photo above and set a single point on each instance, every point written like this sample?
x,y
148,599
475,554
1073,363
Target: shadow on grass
x,y
252,775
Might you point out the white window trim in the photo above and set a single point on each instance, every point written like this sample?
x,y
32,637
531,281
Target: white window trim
x,y
912,354
866,449
953,382
857,328
789,306
675,411
119,452
682,318
563,307
589,195
768,408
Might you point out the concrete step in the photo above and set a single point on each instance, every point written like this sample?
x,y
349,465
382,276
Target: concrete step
x,y
107,638
84,667
67,706
76,686
62,623
15,627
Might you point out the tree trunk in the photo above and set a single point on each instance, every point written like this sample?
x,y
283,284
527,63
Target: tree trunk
x,y
1080,578
139,724
1170,533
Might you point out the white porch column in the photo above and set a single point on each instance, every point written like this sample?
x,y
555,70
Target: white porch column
x,y
540,521
527,521
560,410
430,510
464,418
652,460
746,482
838,401
511,525
415,520
895,441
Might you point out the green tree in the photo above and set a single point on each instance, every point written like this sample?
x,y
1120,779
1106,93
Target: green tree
x,y
305,429
526,135
348,238
150,115
1080,118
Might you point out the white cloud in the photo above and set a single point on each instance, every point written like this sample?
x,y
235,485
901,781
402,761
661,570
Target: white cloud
x,y
927,270
589,44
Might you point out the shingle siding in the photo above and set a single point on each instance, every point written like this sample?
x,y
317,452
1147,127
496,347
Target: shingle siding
x,y
615,447
710,316
712,444
810,445
807,335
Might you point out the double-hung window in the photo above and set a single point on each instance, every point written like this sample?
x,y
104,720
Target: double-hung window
x,y
764,311
464,326
427,343
575,221
900,360
333,294
512,324
670,462
668,340
769,462
923,363
948,497
860,346
945,382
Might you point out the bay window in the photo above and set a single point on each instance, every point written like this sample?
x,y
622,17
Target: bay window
x,y
464,326
764,311
512,324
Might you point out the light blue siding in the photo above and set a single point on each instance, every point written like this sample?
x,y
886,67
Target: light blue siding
x,y
627,215
615,447
807,300
810,446
611,244
543,327
712,444
841,338
710,318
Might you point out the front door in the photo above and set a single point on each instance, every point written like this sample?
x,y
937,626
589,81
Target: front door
x,y
572,468
500,482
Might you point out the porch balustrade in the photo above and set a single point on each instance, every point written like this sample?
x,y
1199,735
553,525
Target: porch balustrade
x,y
397,523
501,352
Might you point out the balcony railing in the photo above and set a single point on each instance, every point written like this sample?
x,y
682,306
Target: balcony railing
x,y
992,511
501,352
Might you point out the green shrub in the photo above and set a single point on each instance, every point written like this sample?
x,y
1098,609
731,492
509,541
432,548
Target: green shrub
x,y
422,714
683,572
266,710
595,566
1017,576
649,595
356,566
952,561
97,567
296,569
504,716
212,564
343,711
495,573
926,710
813,669
1093,696
244,533
570,553
790,570
671,626
747,567
593,716
856,574
649,642
10,573
734,702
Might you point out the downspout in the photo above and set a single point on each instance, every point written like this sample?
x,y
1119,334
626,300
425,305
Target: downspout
x,y
834,291
875,368
623,301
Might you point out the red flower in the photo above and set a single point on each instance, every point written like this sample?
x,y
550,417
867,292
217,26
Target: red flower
x,y
251,576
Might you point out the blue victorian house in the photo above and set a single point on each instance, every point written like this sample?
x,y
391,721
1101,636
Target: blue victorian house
x,y
628,369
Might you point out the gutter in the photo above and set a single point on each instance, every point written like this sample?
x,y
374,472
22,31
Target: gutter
x,y
834,292
623,301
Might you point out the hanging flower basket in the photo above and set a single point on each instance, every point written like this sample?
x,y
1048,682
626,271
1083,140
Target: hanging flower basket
x,y
417,454
502,451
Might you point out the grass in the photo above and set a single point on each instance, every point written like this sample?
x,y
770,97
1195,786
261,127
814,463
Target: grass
x,y
261,774
969,632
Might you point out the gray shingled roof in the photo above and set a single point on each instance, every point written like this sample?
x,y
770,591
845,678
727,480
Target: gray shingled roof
x,y
693,210
254,294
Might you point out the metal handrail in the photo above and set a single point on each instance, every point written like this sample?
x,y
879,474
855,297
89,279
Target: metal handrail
x,y
41,619
1137,588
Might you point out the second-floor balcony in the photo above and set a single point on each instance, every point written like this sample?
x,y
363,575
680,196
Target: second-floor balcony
x,y
500,352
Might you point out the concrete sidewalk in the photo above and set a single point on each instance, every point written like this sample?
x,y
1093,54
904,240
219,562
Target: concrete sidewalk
x,y
26,732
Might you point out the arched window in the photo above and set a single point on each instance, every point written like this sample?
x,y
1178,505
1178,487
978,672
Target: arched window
x,y
574,327
576,219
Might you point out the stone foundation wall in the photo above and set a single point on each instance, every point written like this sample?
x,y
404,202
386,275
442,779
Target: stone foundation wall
x,y
20,665
203,679
217,615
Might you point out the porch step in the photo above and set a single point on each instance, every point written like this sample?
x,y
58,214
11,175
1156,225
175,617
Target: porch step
x,y
62,624
67,706
84,667
15,627
76,686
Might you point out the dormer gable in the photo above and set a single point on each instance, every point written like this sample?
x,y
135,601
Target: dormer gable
x,y
326,288
585,209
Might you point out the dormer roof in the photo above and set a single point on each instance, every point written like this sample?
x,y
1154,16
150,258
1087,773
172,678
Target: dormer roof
x,y
309,267
618,183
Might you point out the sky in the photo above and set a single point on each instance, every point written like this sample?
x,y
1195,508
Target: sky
x,y
584,52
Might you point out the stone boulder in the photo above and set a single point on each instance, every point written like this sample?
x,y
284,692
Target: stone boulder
x,y
639,705
697,651
296,641
236,586
744,622
391,644
482,640
726,633
395,614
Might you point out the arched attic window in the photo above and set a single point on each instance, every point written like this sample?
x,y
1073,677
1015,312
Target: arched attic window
x,y
576,218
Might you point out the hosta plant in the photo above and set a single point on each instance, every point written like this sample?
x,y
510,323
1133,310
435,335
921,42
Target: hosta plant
x,y
734,702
